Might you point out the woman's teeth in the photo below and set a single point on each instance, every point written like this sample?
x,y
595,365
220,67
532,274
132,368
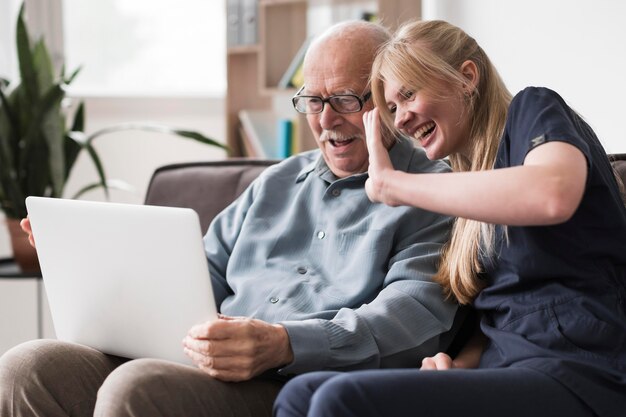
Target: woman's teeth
x,y
425,130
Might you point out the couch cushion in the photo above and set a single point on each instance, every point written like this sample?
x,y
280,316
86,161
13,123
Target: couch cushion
x,y
207,187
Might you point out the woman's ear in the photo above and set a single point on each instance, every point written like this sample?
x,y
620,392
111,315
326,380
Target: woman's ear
x,y
470,72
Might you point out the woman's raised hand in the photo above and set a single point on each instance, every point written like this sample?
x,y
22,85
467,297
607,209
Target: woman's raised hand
x,y
379,163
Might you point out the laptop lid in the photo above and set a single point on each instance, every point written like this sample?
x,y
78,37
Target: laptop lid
x,y
128,280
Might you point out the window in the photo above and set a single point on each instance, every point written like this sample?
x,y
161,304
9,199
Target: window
x,y
146,47
8,58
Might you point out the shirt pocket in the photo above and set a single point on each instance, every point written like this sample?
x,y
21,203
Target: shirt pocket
x,y
583,331
364,242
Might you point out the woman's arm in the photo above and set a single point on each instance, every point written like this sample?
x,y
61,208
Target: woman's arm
x,y
547,189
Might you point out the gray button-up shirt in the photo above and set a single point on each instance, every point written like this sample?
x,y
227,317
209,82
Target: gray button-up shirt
x,y
350,280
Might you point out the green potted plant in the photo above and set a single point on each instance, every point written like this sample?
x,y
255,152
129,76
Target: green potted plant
x,y
38,147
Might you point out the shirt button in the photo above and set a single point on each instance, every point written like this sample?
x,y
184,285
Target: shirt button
x,y
301,270
321,235
274,300
336,192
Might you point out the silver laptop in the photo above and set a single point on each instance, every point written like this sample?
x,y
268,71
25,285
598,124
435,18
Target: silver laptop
x,y
129,280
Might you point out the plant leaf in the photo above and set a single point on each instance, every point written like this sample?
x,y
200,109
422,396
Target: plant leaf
x,y
68,80
43,65
157,128
79,118
28,72
110,184
8,128
81,139
6,108
9,189
34,159
99,168
72,148
53,130
199,137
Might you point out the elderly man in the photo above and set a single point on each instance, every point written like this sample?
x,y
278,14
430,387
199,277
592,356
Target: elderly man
x,y
308,274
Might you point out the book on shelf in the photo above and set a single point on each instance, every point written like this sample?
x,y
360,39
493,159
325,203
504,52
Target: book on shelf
x,y
285,137
295,135
267,135
259,133
292,77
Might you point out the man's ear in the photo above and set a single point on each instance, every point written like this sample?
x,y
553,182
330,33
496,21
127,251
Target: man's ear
x,y
470,72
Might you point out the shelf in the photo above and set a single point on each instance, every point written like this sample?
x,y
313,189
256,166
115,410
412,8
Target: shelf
x,y
254,71
243,49
243,93
10,269
394,13
282,31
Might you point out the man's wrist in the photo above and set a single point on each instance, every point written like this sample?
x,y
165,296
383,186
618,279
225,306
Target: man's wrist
x,y
285,352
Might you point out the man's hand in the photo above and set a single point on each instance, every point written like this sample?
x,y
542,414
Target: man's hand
x,y
237,348
379,162
25,225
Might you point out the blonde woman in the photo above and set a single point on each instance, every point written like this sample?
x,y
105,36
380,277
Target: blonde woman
x,y
538,248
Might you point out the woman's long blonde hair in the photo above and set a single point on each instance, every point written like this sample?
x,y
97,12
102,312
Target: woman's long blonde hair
x,y
427,56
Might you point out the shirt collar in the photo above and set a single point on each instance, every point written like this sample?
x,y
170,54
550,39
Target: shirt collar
x,y
401,153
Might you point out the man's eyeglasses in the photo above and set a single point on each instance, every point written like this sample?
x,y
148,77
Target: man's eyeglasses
x,y
341,103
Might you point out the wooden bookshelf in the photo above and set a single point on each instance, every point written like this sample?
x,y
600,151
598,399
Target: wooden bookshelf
x,y
253,71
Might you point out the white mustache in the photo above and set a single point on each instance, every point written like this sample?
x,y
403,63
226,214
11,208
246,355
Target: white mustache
x,y
338,136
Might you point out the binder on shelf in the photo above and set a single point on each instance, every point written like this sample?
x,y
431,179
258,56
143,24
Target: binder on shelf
x,y
292,78
232,23
249,13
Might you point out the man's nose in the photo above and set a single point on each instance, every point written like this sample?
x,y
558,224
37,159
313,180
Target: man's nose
x,y
329,118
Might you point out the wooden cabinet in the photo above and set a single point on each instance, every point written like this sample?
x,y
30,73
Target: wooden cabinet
x,y
254,71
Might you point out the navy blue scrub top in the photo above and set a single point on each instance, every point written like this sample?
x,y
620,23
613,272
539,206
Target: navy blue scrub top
x,y
555,296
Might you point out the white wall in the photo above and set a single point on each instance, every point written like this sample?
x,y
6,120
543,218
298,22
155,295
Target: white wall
x,y
575,47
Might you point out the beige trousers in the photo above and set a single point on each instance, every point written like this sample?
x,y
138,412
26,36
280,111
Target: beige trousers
x,y
53,379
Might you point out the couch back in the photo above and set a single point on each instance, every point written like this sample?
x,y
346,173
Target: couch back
x,y
206,187
619,165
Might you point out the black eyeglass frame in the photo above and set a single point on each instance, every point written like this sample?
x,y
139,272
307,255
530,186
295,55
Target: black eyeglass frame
x,y
361,100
